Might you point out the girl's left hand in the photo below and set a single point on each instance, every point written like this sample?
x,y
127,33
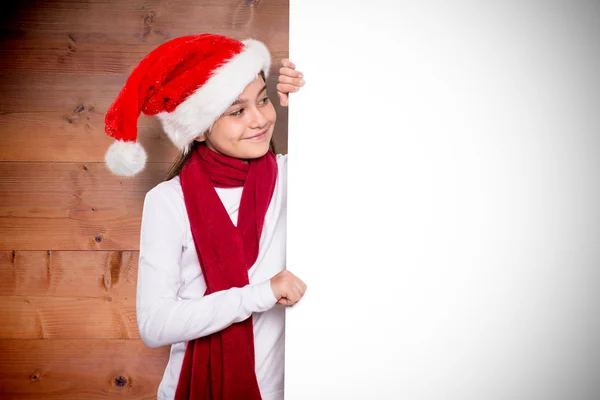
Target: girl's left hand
x,y
289,81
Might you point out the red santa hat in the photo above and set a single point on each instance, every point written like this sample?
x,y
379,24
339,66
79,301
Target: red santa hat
x,y
187,83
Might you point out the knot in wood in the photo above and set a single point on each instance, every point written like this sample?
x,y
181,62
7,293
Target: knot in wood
x,y
36,376
149,18
121,381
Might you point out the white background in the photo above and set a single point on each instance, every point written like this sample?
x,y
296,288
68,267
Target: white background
x,y
444,200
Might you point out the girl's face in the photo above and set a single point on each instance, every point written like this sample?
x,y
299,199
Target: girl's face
x,y
244,131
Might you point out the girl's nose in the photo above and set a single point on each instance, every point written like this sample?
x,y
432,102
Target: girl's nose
x,y
258,119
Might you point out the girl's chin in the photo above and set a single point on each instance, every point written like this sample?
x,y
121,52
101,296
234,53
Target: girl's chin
x,y
248,150
256,150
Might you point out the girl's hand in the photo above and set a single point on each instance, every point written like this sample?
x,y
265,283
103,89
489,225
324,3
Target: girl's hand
x,y
287,288
289,81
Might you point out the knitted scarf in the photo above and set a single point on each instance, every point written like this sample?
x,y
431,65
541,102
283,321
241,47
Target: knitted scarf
x,y
221,366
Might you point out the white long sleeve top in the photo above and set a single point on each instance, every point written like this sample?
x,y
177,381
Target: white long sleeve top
x,y
171,306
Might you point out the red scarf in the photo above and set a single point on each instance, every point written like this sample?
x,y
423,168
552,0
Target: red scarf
x,y
221,366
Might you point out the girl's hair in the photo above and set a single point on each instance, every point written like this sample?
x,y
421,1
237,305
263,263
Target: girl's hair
x,y
184,156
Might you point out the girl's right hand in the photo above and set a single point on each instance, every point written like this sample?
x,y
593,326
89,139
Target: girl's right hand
x,y
287,288
289,81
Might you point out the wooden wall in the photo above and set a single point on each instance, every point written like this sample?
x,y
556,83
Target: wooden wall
x,y
69,230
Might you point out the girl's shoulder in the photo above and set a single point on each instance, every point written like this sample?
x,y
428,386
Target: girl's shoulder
x,y
170,187
166,193
281,160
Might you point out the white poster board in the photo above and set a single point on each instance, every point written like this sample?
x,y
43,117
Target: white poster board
x,y
444,200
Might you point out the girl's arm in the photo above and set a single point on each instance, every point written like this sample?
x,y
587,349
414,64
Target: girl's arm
x,y
162,317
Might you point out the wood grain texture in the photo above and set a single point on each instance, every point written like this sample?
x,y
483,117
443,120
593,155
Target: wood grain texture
x,y
144,20
80,274
79,41
66,206
26,317
80,369
64,295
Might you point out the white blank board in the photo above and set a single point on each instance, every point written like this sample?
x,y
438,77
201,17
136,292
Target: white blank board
x,y
444,200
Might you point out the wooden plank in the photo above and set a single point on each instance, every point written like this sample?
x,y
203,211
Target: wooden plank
x,y
47,57
81,43
62,117
26,317
49,91
73,274
77,142
154,17
68,206
64,295
80,369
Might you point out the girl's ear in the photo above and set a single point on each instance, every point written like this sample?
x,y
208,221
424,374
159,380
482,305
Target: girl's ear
x,y
202,138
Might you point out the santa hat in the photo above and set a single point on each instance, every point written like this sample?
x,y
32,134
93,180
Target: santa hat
x,y
187,83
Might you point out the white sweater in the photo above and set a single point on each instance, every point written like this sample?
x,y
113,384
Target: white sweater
x,y
171,306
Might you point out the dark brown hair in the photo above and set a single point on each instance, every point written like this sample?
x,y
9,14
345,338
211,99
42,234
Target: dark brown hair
x,y
184,156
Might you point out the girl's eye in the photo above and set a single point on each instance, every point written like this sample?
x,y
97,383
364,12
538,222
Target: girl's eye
x,y
237,112
265,100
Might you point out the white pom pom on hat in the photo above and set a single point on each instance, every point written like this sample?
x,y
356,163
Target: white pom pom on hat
x,y
188,83
125,158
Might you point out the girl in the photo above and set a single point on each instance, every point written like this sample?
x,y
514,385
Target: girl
x,y
211,280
